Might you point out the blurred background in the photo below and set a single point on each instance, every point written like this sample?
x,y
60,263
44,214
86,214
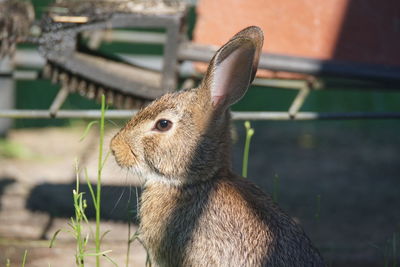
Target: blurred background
x,y
324,107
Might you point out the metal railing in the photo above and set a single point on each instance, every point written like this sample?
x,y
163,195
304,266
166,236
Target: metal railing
x,y
238,115
30,58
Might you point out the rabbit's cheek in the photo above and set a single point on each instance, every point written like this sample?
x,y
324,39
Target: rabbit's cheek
x,y
159,154
152,149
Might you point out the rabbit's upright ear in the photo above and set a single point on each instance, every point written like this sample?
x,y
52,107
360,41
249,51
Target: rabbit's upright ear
x,y
233,67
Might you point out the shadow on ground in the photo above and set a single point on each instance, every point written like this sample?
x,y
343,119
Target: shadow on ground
x,y
118,203
4,182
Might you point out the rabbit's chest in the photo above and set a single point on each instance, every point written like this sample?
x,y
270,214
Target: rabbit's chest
x,y
156,212
169,222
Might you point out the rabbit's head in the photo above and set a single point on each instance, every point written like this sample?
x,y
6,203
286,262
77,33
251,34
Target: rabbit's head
x,y
184,137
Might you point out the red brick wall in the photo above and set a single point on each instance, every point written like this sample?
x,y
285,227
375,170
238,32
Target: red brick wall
x,y
354,30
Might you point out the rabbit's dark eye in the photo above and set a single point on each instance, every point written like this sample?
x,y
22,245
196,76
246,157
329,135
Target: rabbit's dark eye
x,y
163,125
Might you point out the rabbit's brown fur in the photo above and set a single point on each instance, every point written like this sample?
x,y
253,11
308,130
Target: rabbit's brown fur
x,y
194,211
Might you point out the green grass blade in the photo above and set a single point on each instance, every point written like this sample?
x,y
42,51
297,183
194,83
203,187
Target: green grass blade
x,y
53,239
90,189
105,159
110,260
99,170
101,253
134,237
86,132
103,235
249,134
24,258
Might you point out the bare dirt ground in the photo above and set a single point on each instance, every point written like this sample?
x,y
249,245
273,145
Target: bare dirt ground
x,y
340,181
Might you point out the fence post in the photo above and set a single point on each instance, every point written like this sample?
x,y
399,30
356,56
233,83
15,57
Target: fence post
x,y
6,91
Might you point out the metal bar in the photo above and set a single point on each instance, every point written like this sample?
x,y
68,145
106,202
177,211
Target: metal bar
x,y
282,83
64,114
58,101
203,53
140,20
188,83
245,115
95,38
170,60
285,116
299,100
134,37
25,75
31,58
311,66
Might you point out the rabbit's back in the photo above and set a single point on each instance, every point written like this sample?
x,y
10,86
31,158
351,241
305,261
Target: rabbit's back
x,y
221,222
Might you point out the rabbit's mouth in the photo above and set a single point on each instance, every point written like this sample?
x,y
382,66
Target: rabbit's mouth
x,y
125,160
123,153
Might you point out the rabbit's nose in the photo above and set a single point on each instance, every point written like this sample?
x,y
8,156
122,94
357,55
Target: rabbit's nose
x,y
122,151
113,144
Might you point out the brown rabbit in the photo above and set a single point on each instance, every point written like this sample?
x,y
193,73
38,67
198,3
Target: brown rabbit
x,y
194,211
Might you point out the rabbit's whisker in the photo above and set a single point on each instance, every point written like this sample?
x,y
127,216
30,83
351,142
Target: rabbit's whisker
x,y
137,203
118,200
113,123
122,193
